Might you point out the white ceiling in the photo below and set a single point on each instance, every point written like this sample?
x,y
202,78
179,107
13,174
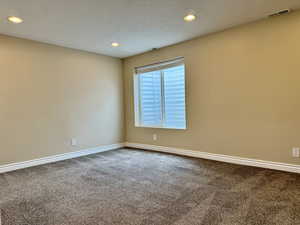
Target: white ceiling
x,y
139,25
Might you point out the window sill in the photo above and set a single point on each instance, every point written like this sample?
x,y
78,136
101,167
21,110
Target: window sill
x,y
159,127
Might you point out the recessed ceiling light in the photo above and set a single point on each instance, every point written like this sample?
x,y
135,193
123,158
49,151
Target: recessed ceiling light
x,y
189,17
14,19
115,44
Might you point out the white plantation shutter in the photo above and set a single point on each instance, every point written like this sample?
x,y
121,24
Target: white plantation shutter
x,y
150,98
174,97
160,95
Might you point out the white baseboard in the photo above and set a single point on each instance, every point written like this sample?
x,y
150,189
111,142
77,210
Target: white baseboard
x,y
178,151
217,157
56,158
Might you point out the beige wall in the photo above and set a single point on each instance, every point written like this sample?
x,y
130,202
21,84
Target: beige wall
x,y
49,94
243,92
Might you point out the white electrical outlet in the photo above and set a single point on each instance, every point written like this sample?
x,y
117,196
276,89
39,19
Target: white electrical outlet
x,y
296,152
73,141
154,137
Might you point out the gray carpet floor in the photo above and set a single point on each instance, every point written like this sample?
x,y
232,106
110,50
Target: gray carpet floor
x,y
134,187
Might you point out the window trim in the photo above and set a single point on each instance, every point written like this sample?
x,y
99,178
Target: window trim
x,y
136,89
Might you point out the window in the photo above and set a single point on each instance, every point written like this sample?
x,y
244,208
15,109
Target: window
x,y
160,95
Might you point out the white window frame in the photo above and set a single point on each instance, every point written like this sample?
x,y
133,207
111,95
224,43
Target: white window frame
x,y
137,105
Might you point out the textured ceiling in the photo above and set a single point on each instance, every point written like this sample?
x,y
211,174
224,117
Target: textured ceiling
x,y
139,25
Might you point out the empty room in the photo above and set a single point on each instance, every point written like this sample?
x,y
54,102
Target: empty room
x,y
150,112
